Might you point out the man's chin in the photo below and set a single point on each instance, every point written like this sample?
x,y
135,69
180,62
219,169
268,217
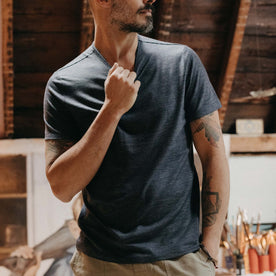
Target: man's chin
x,y
146,28
140,29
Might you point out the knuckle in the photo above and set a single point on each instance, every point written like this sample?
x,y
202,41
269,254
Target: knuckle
x,y
115,77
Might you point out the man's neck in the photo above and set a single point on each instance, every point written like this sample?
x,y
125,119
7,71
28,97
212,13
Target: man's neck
x,y
117,46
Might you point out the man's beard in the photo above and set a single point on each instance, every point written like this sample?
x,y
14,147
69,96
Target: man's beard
x,y
137,28
134,27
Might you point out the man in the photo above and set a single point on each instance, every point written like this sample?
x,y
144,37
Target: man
x,y
131,152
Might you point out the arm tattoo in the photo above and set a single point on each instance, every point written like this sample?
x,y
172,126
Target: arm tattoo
x,y
211,203
212,130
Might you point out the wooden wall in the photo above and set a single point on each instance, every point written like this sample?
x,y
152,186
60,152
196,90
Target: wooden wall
x,y
203,25
256,68
47,35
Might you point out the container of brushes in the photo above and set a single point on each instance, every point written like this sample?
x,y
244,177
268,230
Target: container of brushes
x,y
272,257
264,263
253,260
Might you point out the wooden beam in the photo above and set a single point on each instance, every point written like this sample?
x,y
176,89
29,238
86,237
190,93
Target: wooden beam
x,y
265,143
7,67
232,56
87,26
253,100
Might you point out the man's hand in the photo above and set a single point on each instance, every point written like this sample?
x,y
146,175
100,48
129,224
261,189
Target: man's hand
x,y
27,262
121,89
25,252
34,268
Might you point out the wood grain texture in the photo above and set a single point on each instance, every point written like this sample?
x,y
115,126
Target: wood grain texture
x,y
48,35
265,111
247,144
87,26
30,89
28,122
2,106
231,60
13,174
44,52
7,59
250,81
256,68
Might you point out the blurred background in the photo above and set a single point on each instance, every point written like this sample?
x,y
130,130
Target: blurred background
x,y
236,43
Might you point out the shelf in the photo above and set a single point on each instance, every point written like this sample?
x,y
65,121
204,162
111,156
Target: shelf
x,y
265,143
13,195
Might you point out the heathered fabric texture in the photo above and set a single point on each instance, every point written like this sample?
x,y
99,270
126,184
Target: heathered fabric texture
x,y
143,204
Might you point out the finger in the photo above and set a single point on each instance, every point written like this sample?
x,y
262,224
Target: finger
x,y
132,77
125,73
113,68
137,85
119,70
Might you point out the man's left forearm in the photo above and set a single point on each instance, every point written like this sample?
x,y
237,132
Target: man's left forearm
x,y
215,198
208,140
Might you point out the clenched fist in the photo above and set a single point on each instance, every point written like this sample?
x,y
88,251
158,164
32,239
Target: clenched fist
x,y
121,89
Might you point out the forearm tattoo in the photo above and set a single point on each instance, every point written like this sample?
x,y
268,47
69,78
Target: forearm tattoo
x,y
211,128
211,203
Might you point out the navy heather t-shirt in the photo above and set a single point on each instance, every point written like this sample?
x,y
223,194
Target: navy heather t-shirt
x,y
143,203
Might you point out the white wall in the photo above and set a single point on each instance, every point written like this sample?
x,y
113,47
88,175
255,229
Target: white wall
x,y
253,186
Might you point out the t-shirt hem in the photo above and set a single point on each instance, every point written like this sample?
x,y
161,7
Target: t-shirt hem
x,y
144,259
58,137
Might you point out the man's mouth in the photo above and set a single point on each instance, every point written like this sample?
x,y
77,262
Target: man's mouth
x,y
147,9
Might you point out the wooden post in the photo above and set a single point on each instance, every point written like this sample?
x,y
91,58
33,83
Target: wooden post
x,y
2,120
87,26
232,57
166,20
7,68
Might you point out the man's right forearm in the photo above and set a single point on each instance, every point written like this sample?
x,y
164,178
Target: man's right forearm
x,y
76,167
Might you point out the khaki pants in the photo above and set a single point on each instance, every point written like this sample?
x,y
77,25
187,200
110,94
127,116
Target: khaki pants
x,y
193,264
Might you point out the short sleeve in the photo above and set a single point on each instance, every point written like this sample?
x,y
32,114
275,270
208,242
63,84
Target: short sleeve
x,y
58,121
200,96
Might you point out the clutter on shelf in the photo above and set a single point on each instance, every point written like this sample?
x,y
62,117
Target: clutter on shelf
x,y
246,251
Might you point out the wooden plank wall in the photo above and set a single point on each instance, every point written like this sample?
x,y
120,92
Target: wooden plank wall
x,y
46,37
203,25
256,67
